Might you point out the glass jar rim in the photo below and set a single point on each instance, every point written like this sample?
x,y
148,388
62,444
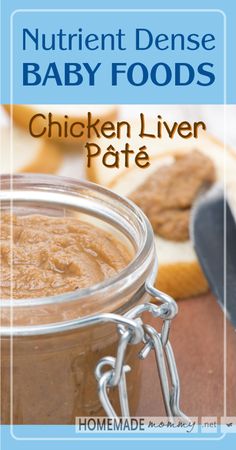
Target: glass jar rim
x,y
39,182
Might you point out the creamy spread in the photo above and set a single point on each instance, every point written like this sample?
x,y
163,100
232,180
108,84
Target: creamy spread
x,y
53,255
167,196
53,374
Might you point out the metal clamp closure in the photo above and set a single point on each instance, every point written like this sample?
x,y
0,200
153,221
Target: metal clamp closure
x,y
159,342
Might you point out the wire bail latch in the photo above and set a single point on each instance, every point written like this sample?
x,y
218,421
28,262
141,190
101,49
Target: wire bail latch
x,y
153,341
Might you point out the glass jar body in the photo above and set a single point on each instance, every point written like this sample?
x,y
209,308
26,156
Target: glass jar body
x,y
48,355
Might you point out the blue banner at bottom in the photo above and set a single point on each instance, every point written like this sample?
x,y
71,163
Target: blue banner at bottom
x,y
65,437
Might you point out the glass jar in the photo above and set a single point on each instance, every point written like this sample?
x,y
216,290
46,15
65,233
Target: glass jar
x,y
50,346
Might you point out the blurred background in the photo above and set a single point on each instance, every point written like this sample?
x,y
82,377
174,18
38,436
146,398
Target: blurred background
x,y
198,332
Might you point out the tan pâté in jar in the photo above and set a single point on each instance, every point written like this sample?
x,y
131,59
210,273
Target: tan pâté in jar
x,y
53,374
76,258
50,255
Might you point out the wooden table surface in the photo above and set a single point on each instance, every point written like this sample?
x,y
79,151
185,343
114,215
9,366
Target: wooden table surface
x,y
197,337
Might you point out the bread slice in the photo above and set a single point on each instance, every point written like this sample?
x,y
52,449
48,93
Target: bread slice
x,y
27,154
22,115
179,272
